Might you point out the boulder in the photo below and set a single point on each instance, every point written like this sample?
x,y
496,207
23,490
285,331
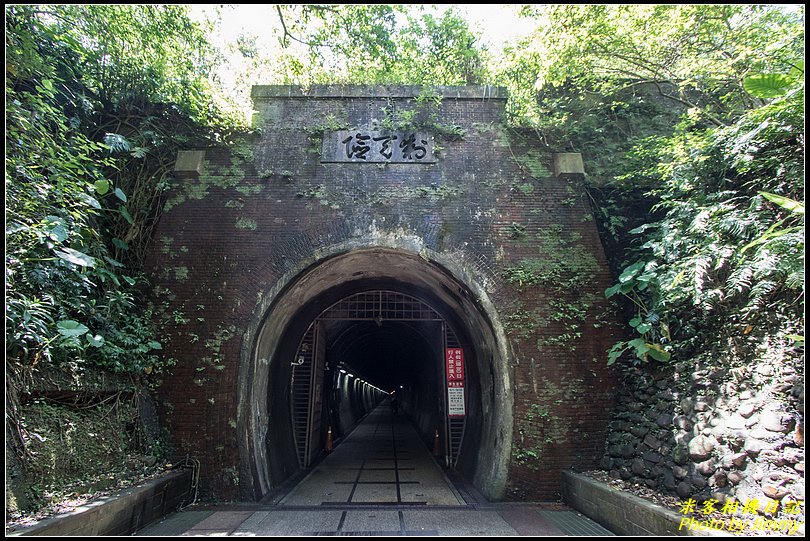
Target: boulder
x,y
679,472
682,422
664,420
639,430
734,477
702,405
719,479
747,408
753,446
734,459
707,467
698,481
651,442
734,421
775,421
652,456
684,489
701,448
736,439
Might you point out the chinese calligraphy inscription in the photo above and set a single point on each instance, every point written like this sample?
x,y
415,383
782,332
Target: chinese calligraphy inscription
x,y
366,146
455,382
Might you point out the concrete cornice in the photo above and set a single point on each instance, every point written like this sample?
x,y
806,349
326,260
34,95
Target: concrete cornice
x,y
476,92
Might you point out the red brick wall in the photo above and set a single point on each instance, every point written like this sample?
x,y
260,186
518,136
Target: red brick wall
x,y
254,213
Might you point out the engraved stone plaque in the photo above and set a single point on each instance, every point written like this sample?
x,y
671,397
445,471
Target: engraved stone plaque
x,y
366,146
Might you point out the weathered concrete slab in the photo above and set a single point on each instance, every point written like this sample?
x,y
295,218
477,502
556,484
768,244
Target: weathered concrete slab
x,y
121,513
623,513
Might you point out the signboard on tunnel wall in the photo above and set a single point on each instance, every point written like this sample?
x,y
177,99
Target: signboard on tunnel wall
x,y
455,364
455,382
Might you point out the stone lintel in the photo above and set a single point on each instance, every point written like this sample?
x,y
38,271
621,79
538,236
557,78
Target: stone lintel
x,y
568,163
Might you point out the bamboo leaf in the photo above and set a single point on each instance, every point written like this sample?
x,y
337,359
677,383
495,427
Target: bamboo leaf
x,y
785,202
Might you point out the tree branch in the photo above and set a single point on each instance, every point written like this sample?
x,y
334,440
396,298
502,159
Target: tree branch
x,y
287,33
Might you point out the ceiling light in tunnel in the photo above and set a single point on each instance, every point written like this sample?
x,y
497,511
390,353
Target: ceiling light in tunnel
x,y
342,371
350,375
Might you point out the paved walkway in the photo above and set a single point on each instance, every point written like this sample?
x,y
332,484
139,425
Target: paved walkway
x,y
380,481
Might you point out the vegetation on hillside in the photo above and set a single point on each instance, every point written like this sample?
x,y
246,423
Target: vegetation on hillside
x,y
690,119
98,101
697,137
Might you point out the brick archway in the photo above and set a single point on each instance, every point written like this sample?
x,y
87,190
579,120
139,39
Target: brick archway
x,y
267,448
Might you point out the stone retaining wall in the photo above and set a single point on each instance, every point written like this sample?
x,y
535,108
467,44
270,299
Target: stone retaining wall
x,y
119,514
699,430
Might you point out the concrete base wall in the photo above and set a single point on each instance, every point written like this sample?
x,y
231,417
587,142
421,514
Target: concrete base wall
x,y
119,514
622,513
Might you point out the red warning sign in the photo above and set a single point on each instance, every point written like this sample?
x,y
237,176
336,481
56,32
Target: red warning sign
x,y
455,364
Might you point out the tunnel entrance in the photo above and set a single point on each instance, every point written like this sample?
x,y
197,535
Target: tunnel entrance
x,y
336,337
371,346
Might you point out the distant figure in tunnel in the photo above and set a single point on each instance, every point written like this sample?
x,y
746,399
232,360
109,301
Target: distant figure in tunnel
x,y
394,405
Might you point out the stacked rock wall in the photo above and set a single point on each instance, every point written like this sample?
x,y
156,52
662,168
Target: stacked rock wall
x,y
708,432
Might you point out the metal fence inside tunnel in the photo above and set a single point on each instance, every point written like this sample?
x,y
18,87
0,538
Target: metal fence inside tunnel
x,y
330,348
371,346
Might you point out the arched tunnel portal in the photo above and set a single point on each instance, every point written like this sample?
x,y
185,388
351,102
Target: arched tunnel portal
x,y
339,336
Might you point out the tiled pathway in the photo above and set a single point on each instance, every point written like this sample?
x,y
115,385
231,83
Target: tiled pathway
x,y
380,481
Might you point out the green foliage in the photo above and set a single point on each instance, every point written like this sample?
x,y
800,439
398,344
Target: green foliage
x,y
774,85
729,246
689,120
378,44
98,101
694,55
74,451
563,264
422,115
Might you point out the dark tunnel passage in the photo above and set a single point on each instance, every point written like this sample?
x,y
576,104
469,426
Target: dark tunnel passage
x,y
402,358
365,348
338,349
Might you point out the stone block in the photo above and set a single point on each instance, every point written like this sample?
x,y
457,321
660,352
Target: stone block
x,y
189,164
568,163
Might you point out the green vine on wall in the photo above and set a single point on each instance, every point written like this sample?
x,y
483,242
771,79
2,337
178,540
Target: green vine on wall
x,y
423,116
564,268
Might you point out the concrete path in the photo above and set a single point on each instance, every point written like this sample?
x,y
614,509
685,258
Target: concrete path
x,y
380,481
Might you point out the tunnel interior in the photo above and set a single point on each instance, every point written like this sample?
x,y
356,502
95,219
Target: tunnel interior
x,y
334,350
401,358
